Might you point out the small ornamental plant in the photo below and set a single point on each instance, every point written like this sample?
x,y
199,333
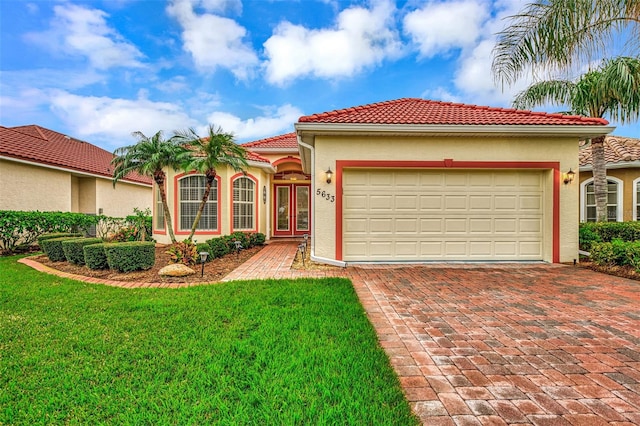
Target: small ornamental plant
x,y
185,252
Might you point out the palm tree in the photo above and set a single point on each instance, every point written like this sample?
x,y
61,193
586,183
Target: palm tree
x,y
217,149
612,90
557,34
149,157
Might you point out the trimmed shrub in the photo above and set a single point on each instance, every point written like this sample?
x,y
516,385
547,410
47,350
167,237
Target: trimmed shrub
x,y
243,237
616,252
218,246
184,252
95,256
43,237
200,247
257,239
73,249
587,237
609,231
130,256
53,248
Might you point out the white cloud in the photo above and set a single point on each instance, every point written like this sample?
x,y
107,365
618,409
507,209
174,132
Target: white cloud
x,y
439,27
80,31
272,123
112,120
472,80
360,38
213,41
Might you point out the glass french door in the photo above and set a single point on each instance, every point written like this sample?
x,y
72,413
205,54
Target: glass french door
x,y
292,214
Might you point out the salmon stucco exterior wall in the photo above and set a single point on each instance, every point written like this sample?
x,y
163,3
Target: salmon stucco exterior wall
x,y
225,177
560,150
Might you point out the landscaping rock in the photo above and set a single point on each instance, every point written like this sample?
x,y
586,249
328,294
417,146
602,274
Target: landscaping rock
x,y
176,270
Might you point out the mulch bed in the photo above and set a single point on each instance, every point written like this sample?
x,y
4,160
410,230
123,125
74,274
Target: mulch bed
x,y
214,271
618,271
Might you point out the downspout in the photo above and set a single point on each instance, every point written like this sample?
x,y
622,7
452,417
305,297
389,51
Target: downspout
x,y
313,222
313,191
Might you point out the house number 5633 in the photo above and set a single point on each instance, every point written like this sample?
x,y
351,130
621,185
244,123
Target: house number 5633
x,y
326,195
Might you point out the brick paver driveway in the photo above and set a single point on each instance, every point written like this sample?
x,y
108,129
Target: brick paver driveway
x,y
531,344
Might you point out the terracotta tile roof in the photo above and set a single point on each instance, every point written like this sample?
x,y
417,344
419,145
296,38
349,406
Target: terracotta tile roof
x,y
285,141
426,112
39,145
617,149
252,156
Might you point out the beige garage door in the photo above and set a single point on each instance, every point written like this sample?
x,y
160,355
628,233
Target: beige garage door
x,y
409,215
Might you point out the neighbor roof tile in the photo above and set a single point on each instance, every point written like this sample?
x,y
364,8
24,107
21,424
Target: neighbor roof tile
x,y
617,149
426,112
39,145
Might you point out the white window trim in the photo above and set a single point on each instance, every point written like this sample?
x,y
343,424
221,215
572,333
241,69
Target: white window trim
x,y
216,187
636,181
583,198
254,203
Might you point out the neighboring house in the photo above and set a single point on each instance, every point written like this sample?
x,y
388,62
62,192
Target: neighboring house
x,y
44,170
622,157
410,180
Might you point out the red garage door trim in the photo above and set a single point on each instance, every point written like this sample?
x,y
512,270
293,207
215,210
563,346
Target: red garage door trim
x,y
449,163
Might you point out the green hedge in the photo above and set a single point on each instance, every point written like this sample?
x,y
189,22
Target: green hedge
x,y
53,248
224,245
43,237
616,253
130,256
24,227
218,246
73,249
608,231
95,256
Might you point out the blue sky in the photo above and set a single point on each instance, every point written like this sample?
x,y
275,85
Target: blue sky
x,y
99,70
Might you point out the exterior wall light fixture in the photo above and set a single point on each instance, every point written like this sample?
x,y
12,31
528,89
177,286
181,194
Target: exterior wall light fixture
x,y
329,174
569,176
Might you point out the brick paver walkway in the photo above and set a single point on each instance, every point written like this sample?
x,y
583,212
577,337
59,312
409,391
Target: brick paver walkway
x,y
498,344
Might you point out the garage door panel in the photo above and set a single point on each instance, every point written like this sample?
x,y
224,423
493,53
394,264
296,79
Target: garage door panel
x,y
453,226
481,202
381,226
407,226
443,215
530,202
506,202
355,202
455,202
431,202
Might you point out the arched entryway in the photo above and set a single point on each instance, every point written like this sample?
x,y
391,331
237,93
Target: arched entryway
x,y
291,199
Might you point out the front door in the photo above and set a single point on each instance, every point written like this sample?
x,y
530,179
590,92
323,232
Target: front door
x,y
291,209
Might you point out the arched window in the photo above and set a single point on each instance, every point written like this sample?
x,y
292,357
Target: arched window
x,y
190,192
614,200
636,199
244,199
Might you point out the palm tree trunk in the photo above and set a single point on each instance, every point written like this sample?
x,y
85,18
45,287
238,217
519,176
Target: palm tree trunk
x,y
599,178
165,206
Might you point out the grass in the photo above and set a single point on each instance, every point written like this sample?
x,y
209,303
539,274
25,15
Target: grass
x,y
257,352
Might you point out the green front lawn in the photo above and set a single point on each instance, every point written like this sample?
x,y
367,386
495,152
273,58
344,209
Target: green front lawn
x,y
260,352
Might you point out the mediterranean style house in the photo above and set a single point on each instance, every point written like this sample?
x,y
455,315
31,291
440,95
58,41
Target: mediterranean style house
x,y
44,170
622,156
408,180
